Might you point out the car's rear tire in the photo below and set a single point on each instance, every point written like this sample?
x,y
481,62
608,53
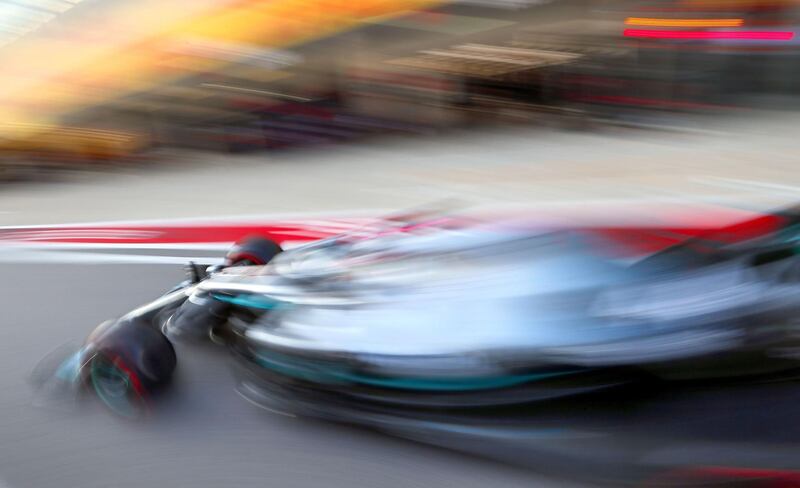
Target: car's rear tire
x,y
252,251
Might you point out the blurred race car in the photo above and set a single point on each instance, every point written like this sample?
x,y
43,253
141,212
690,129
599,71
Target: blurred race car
x,y
544,349
497,313
422,327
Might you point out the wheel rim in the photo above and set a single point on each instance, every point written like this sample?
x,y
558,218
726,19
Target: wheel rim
x,y
114,387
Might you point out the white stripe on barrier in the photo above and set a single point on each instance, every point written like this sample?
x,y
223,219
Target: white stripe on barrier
x,y
58,257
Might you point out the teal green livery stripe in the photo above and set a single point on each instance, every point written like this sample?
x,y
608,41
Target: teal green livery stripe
x,y
332,375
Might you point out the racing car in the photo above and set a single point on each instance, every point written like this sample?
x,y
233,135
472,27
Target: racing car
x,y
418,326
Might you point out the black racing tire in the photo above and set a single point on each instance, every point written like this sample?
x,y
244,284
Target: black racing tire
x,y
252,251
130,362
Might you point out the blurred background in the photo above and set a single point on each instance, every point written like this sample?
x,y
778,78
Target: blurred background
x,y
97,82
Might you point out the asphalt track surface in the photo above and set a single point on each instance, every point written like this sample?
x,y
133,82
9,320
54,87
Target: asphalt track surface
x,y
202,434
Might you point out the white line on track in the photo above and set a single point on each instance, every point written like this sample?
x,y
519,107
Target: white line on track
x,y
71,246
327,220
224,219
747,185
157,246
333,221
16,255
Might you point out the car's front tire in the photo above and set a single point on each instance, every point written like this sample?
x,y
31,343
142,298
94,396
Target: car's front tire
x,y
128,362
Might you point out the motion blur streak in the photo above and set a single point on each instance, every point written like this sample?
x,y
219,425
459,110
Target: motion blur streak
x,y
85,72
664,34
684,22
747,476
